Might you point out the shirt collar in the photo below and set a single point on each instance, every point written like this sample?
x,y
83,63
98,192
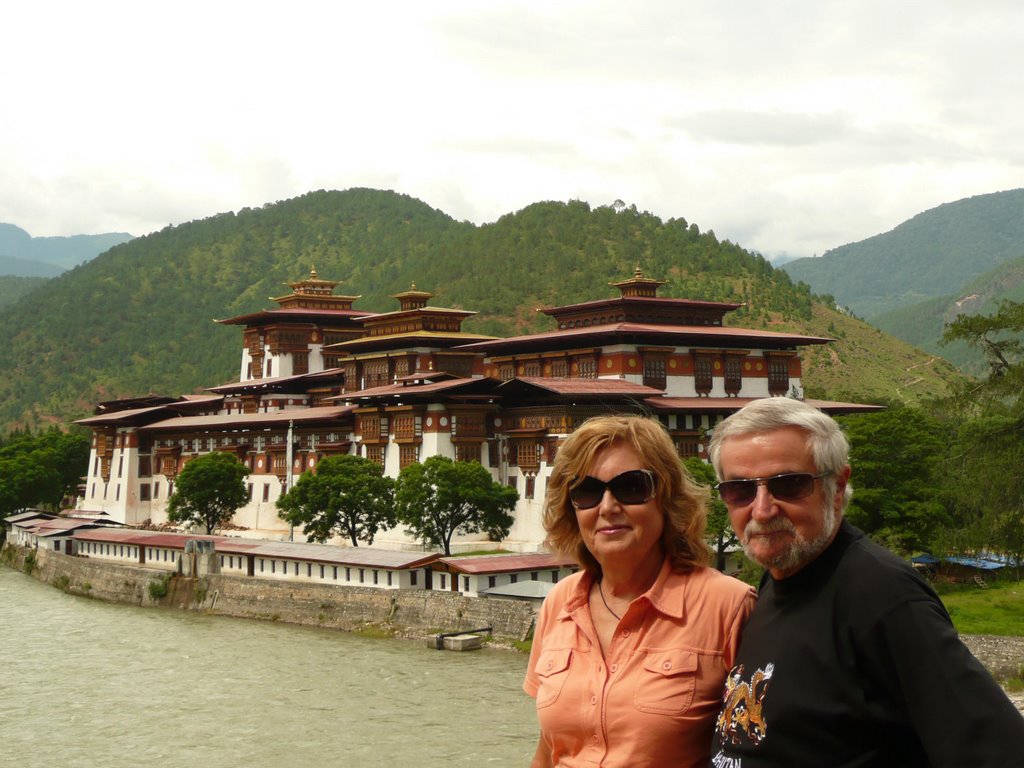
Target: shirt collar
x,y
656,596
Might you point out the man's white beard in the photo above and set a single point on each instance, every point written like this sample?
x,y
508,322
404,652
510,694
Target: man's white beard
x,y
800,551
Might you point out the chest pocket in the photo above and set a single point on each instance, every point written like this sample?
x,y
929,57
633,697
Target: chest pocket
x,y
667,682
552,670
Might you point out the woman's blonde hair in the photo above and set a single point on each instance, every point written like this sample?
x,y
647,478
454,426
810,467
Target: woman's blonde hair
x,y
681,500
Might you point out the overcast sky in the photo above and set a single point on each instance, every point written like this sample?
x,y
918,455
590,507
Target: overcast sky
x,y
787,127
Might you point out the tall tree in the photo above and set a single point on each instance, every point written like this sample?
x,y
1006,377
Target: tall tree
x,y
440,497
984,478
347,496
896,455
719,527
208,491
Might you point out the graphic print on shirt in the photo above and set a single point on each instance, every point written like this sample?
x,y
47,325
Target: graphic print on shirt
x,y
742,706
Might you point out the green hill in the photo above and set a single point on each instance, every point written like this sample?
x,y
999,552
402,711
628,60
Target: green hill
x,y
12,289
922,324
934,254
138,318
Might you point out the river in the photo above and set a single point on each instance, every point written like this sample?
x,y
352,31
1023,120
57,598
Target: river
x,y
85,684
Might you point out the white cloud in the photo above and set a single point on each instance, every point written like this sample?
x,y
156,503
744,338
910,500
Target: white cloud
x,y
792,126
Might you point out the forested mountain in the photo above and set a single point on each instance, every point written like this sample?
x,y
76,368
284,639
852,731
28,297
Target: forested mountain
x,y
923,324
13,288
138,318
934,254
27,256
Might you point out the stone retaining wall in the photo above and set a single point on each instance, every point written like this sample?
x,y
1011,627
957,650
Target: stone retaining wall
x,y
405,612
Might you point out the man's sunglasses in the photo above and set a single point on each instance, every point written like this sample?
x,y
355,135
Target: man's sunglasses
x,y
791,486
633,487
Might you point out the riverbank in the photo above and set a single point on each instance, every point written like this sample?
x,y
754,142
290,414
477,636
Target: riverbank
x,y
401,613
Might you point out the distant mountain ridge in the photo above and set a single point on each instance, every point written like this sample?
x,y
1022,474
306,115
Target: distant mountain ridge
x,y
22,255
934,254
923,324
138,318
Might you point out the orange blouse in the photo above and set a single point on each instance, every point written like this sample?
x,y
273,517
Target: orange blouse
x,y
654,699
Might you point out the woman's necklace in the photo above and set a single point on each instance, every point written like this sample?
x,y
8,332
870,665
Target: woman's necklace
x,y
607,607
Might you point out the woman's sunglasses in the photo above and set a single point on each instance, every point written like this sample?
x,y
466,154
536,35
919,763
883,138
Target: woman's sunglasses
x,y
791,486
633,487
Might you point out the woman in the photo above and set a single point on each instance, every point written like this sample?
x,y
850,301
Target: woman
x,y
630,654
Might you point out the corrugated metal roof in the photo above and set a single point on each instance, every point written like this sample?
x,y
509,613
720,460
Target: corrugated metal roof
x,y
533,590
507,563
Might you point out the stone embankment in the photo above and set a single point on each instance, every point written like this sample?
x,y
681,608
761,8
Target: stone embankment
x,y
405,613
1002,656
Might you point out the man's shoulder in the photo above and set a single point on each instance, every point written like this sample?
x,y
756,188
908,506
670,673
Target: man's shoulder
x,y
870,568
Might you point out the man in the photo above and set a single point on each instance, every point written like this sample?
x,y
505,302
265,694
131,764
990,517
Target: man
x,y
849,658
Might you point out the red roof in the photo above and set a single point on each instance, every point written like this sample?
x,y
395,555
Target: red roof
x,y
675,334
320,413
399,390
294,314
570,386
719,404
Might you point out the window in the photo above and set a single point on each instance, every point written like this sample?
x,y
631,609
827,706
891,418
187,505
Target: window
x,y
654,372
321,571
273,566
375,453
442,581
412,578
492,581
296,569
702,374
513,578
733,374
362,576
120,465
117,492
534,576
309,570
467,451
554,577
778,375
250,491
261,565
531,482
266,492
407,454
375,577
348,574
156,490
335,572
389,578
144,492
465,583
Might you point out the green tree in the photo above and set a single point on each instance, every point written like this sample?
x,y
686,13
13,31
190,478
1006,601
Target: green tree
x,y
208,491
999,337
440,497
40,470
719,527
983,477
896,457
347,496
